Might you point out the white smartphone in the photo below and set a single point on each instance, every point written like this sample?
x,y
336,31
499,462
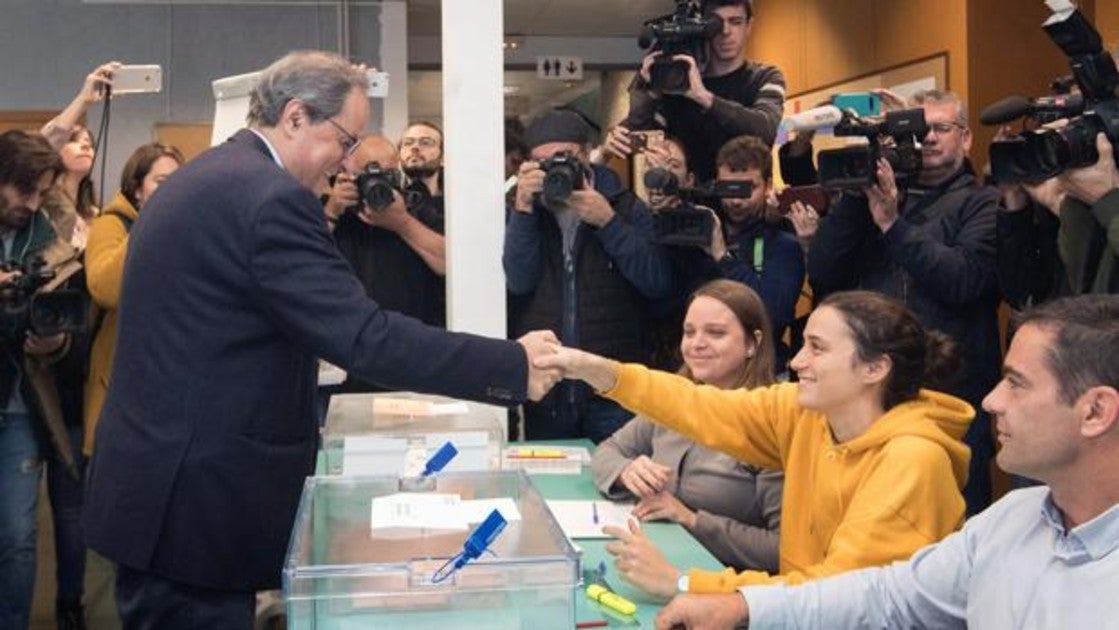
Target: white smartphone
x,y
378,83
137,79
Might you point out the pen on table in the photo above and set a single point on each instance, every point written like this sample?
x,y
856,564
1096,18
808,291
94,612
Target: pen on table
x,y
598,623
594,511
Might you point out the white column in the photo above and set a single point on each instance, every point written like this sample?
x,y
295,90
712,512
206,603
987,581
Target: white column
x,y
393,56
474,165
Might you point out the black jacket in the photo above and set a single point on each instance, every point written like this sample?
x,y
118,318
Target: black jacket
x,y
232,289
939,258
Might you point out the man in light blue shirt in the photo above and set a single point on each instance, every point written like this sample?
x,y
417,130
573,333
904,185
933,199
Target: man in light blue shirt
x,y
1042,557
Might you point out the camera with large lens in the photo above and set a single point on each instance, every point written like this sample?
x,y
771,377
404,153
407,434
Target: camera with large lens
x,y
897,137
1037,155
23,307
686,31
563,174
689,224
377,186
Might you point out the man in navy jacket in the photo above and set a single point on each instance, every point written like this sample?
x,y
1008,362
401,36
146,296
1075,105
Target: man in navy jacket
x,y
232,290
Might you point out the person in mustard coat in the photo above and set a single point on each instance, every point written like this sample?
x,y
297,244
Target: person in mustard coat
x,y
148,166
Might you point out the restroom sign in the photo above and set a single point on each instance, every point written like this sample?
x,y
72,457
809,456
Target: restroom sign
x,y
559,68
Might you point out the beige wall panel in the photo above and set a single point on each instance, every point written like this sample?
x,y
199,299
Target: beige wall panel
x,y
839,41
778,38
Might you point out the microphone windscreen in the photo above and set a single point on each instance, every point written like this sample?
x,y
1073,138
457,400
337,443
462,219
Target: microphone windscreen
x,y
1004,111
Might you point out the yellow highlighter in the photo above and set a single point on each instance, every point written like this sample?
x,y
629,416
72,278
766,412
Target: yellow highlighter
x,y
613,601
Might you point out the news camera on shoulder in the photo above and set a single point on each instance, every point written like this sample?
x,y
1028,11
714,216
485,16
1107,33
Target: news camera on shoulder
x,y
1036,155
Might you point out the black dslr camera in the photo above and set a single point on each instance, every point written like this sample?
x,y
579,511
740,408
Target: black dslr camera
x,y
683,32
22,308
376,186
897,138
689,225
563,174
1035,156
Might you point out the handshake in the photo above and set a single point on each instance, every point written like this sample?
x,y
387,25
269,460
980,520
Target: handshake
x,y
549,362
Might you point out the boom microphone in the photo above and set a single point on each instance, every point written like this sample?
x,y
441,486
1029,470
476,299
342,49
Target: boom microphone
x,y
1014,107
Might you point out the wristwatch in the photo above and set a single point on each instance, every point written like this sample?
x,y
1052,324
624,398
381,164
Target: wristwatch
x,y
682,583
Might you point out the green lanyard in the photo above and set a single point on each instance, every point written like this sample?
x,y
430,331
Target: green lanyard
x,y
759,253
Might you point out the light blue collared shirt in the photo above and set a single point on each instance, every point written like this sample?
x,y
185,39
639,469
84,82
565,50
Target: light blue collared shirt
x,y
1013,566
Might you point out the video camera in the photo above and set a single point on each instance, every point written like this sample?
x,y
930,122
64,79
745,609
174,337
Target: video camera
x,y
897,138
376,187
689,225
23,307
1037,155
563,174
683,32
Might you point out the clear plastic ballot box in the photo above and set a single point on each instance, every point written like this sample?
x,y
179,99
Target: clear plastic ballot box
x,y
394,433
341,572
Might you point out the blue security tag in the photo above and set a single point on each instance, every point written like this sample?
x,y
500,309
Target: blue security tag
x,y
440,459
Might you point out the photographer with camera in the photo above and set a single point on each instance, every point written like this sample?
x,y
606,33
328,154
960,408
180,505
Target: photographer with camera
x,y
421,159
931,244
393,240
751,246
1089,234
28,168
579,260
708,94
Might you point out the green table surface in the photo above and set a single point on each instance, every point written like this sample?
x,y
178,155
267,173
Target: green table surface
x,y
678,546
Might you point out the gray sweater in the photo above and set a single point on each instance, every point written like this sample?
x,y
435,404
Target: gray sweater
x,y
738,506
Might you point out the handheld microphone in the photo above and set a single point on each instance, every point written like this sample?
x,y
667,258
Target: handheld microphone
x,y
1014,107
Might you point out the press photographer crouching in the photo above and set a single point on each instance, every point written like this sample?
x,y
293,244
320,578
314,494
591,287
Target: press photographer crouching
x,y
930,241
391,236
580,260
34,336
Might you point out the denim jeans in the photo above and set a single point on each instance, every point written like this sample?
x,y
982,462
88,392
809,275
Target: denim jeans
x,y
21,465
65,493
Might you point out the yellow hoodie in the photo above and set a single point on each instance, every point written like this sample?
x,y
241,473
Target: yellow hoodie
x,y
865,502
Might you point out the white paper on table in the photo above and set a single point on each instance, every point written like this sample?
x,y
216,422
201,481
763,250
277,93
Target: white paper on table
x,y
373,455
472,447
576,518
426,510
476,511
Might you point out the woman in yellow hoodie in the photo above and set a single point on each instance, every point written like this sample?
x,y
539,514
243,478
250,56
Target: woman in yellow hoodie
x,y
873,463
145,169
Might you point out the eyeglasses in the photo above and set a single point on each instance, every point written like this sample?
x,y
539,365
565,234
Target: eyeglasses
x,y
941,128
425,143
349,141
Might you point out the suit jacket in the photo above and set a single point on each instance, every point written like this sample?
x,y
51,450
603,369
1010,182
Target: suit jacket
x,y
232,288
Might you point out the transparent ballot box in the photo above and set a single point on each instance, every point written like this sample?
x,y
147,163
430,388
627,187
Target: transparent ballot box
x,y
394,433
342,572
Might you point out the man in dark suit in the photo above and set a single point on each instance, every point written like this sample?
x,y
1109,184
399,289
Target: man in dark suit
x,y
232,290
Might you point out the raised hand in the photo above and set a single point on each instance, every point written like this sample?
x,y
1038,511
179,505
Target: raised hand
x,y
639,562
